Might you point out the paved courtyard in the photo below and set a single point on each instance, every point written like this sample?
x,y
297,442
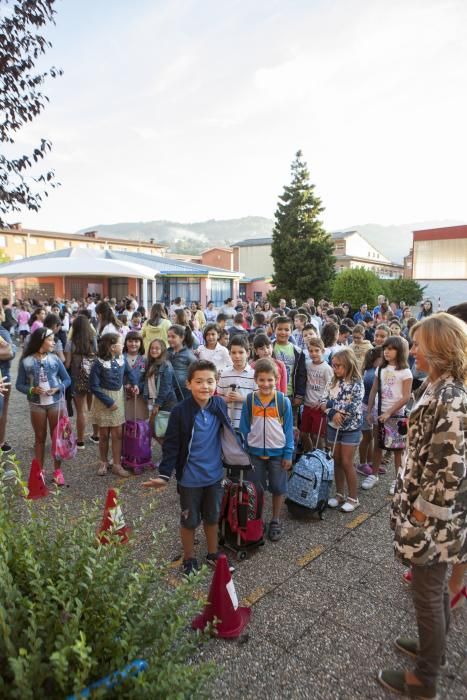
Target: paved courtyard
x,y
328,599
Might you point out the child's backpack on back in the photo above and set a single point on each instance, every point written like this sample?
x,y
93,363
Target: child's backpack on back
x,y
309,484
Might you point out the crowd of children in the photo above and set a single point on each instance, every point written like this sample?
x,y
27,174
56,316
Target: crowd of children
x,y
315,374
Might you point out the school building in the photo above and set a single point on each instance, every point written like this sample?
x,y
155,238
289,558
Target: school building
x,y
439,263
74,272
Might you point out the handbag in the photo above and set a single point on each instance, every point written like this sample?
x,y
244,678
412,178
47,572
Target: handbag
x,y
161,422
392,434
63,439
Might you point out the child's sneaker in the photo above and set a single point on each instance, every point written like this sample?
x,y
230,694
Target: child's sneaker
x,y
382,470
80,445
190,566
369,482
275,530
392,488
211,560
364,469
58,478
94,439
407,577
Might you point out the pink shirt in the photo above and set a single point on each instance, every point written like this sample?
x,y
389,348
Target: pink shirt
x,y
36,325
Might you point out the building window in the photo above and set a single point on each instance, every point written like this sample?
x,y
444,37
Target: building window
x,y
2,242
221,289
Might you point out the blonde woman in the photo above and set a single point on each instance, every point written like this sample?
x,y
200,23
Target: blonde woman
x,y
429,514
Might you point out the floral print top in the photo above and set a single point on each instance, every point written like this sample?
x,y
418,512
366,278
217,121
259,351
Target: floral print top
x,y
346,397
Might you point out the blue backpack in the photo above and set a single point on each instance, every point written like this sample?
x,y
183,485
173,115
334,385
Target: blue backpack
x,y
310,483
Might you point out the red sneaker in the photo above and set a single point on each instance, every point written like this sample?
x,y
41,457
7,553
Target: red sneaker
x,y
407,576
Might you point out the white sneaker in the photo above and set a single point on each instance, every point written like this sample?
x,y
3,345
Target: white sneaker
x,y
337,501
369,482
392,489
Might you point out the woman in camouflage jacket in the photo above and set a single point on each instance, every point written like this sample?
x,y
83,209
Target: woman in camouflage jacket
x,y
429,514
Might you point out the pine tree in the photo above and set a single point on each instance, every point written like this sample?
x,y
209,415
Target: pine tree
x,y
302,251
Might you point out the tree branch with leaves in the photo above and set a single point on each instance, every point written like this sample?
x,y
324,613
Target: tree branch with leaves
x,y
22,100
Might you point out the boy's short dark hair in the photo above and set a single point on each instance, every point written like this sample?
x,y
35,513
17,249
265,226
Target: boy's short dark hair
x,y
368,317
282,319
259,318
241,340
348,322
238,318
201,366
312,310
344,329
310,327
261,340
266,366
221,317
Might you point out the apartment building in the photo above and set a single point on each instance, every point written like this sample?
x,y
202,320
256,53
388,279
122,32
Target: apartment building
x,y
18,243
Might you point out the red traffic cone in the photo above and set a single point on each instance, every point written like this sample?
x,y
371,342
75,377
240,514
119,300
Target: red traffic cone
x,y
113,519
223,605
36,482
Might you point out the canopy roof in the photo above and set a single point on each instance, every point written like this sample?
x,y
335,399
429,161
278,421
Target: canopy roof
x,y
77,262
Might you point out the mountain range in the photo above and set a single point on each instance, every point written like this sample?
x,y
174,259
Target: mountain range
x,y
392,241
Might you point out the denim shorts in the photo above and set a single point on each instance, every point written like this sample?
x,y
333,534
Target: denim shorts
x,y
269,474
345,437
200,503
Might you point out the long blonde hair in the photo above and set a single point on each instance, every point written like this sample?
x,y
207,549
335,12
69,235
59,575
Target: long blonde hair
x,y
443,341
349,360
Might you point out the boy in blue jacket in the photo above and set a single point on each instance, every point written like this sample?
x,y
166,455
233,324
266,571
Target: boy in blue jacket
x,y
267,426
198,434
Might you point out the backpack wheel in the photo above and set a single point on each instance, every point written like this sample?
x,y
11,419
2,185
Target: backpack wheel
x,y
241,555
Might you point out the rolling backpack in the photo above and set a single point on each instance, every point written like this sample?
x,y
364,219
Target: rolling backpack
x,y
310,483
241,525
136,445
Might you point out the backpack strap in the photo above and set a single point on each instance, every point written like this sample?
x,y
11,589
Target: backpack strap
x,y
249,404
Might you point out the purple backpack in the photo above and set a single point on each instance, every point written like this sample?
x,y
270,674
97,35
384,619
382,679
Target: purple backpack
x,y
136,446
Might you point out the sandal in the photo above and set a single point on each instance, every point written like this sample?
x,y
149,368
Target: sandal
x,y
275,530
350,505
337,501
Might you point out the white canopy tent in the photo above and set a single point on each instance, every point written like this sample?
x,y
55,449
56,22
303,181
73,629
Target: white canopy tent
x,y
80,262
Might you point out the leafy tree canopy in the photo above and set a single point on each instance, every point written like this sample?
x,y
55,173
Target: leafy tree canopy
x,y
404,290
21,100
357,286
301,249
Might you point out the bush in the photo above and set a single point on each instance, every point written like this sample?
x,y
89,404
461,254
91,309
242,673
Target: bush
x,y
73,610
404,290
357,286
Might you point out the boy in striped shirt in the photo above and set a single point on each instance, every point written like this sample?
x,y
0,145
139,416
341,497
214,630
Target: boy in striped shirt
x,y
237,380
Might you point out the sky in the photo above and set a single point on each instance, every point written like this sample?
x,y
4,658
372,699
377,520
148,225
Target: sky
x,y
188,110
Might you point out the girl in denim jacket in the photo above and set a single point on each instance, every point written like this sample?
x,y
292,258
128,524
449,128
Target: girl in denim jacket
x,y
158,382
342,402
44,379
108,374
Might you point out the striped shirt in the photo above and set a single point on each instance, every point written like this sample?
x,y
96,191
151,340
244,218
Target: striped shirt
x,y
244,381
